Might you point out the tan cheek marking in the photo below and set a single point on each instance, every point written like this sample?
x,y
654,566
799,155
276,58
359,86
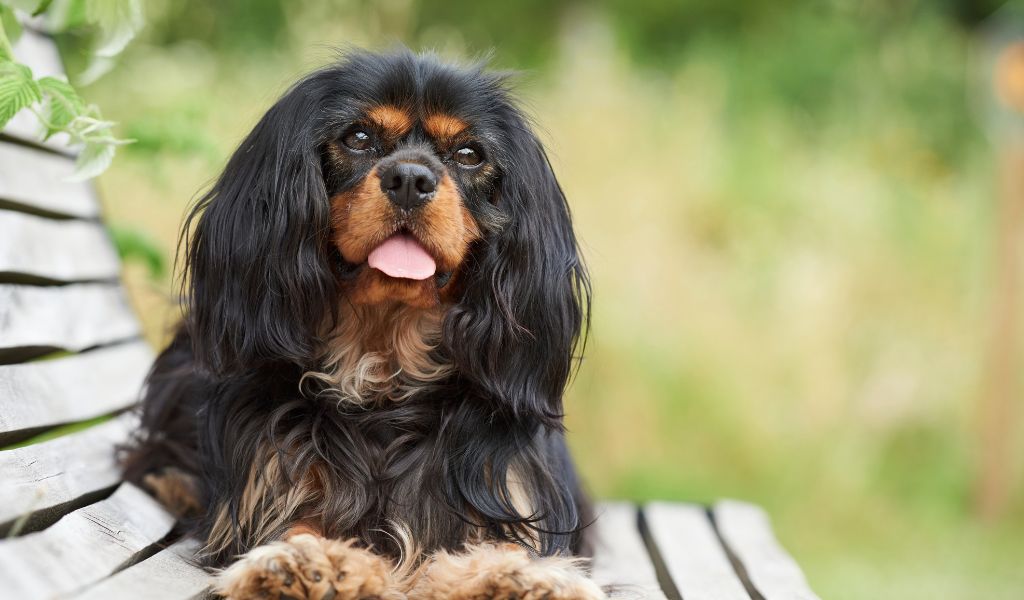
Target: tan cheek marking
x,y
444,127
356,216
395,121
446,221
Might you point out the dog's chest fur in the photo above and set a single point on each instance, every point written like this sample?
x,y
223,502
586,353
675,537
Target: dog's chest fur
x,y
355,452
380,355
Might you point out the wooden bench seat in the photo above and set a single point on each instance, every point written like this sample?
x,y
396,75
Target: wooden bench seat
x,y
71,365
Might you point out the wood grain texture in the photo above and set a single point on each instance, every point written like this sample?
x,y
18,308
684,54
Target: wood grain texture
x,y
168,575
44,481
74,388
691,552
35,248
39,53
72,317
620,559
747,533
83,547
36,180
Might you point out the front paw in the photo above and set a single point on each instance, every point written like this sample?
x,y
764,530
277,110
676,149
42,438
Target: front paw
x,y
308,567
504,572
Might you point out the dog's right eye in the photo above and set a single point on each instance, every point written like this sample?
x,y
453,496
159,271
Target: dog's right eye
x,y
357,140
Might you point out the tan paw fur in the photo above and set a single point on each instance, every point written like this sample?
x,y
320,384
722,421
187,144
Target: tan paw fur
x,y
308,567
503,572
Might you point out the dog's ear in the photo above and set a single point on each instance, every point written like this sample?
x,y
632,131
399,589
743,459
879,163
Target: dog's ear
x,y
257,276
527,296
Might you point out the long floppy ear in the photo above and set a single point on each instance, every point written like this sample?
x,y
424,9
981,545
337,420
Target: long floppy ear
x,y
528,295
257,275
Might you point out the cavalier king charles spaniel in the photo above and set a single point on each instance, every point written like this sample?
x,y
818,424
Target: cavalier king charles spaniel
x,y
384,303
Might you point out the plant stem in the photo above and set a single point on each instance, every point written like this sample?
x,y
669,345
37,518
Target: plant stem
x,y
6,50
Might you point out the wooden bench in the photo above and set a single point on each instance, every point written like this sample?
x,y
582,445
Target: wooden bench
x,y
71,353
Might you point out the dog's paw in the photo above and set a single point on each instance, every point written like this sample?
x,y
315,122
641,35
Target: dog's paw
x,y
504,572
308,567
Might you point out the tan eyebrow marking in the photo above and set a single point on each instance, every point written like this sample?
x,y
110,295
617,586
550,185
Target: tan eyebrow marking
x,y
393,120
444,127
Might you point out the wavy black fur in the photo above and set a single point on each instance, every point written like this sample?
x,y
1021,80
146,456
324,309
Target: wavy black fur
x,y
262,278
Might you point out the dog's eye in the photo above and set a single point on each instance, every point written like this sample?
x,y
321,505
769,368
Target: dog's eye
x,y
357,139
468,156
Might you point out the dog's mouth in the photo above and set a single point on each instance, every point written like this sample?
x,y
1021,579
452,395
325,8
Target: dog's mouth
x,y
400,256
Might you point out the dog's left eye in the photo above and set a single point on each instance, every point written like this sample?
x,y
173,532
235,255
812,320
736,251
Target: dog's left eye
x,y
468,156
357,139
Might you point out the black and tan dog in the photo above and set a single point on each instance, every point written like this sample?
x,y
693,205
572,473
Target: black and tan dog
x,y
384,302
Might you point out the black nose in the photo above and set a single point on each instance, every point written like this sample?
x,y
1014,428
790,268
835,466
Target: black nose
x,y
408,184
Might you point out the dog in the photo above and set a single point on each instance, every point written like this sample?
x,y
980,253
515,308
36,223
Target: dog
x,y
384,301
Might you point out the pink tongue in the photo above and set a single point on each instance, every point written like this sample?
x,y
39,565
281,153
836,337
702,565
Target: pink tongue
x,y
402,256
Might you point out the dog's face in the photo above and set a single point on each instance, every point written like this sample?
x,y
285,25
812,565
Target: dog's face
x,y
392,179
406,181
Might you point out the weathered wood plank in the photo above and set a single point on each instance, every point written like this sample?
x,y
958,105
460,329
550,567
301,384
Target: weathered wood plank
x,y
691,553
74,388
747,533
34,249
43,481
39,181
72,317
620,560
39,52
83,547
168,575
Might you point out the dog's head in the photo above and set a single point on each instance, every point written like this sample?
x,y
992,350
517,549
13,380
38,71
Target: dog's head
x,y
391,179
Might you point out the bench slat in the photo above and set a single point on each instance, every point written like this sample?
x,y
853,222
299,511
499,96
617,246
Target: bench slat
x,y
33,247
748,535
691,553
620,558
42,394
168,575
36,180
72,317
39,52
49,479
84,546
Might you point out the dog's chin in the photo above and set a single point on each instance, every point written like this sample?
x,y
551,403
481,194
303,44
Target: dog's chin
x,y
368,286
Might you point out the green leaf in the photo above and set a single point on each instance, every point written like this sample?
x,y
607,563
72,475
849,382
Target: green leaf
x,y
10,32
94,159
118,21
62,104
17,90
43,7
98,67
66,15
28,6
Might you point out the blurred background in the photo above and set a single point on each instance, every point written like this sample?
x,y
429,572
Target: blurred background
x,y
801,221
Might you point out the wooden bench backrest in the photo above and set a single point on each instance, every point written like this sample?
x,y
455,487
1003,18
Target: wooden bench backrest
x,y
72,363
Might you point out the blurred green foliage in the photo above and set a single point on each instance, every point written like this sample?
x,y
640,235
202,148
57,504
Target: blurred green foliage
x,y
135,245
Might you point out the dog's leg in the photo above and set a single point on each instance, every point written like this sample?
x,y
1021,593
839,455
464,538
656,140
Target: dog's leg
x,y
176,490
307,566
504,571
